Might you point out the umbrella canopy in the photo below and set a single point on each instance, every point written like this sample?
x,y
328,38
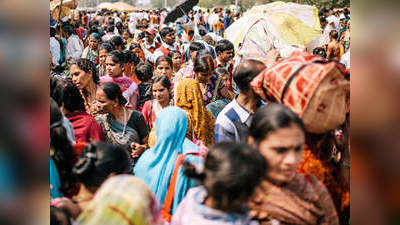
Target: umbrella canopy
x,y
180,9
107,5
65,11
71,4
281,26
122,6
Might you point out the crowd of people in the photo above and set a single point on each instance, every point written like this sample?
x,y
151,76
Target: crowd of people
x,y
154,123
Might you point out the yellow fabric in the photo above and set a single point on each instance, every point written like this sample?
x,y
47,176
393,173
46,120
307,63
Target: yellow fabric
x,y
189,98
293,30
122,200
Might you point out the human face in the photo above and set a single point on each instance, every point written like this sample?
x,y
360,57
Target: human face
x,y
160,93
79,77
93,44
203,77
102,56
163,68
169,38
104,104
177,60
227,55
283,150
113,69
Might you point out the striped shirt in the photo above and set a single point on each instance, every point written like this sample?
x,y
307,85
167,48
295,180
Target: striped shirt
x,y
233,123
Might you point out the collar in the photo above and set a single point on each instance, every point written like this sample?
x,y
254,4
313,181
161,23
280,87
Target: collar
x,y
219,64
243,113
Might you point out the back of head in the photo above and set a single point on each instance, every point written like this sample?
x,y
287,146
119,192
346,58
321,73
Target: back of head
x,y
165,31
171,125
72,98
117,41
223,45
231,172
97,162
196,46
204,63
61,148
144,71
272,117
113,92
106,46
246,72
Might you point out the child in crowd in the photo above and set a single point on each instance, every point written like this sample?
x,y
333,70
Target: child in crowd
x,y
230,174
144,72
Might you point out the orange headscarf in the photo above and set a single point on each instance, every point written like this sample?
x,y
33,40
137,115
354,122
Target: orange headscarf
x,y
189,98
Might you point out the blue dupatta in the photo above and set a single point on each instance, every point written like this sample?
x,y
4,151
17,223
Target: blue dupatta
x,y
156,165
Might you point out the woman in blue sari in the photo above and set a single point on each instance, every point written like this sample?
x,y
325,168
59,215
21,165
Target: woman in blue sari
x,y
156,166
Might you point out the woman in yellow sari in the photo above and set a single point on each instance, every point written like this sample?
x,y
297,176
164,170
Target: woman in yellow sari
x,y
201,121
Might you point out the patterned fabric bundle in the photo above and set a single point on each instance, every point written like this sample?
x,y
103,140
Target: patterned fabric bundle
x,y
312,87
122,199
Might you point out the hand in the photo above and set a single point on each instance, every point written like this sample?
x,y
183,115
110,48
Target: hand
x,y
67,204
137,149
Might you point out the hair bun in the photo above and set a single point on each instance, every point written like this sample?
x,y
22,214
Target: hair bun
x,y
86,162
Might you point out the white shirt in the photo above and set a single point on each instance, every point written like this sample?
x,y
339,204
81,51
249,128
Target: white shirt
x,y
153,57
346,59
55,50
74,47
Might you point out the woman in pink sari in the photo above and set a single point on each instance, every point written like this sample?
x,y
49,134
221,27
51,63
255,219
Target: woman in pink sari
x,y
114,73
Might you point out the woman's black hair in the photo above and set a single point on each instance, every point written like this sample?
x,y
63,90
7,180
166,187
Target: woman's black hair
x,y
204,63
63,152
106,46
164,81
165,31
68,28
223,45
272,117
113,92
246,72
144,71
117,41
172,53
196,46
117,57
231,172
163,59
131,57
57,86
97,162
53,32
72,98
110,29
320,51
87,66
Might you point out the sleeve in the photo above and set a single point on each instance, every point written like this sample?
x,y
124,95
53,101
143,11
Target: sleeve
x,y
76,48
224,131
96,133
55,51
